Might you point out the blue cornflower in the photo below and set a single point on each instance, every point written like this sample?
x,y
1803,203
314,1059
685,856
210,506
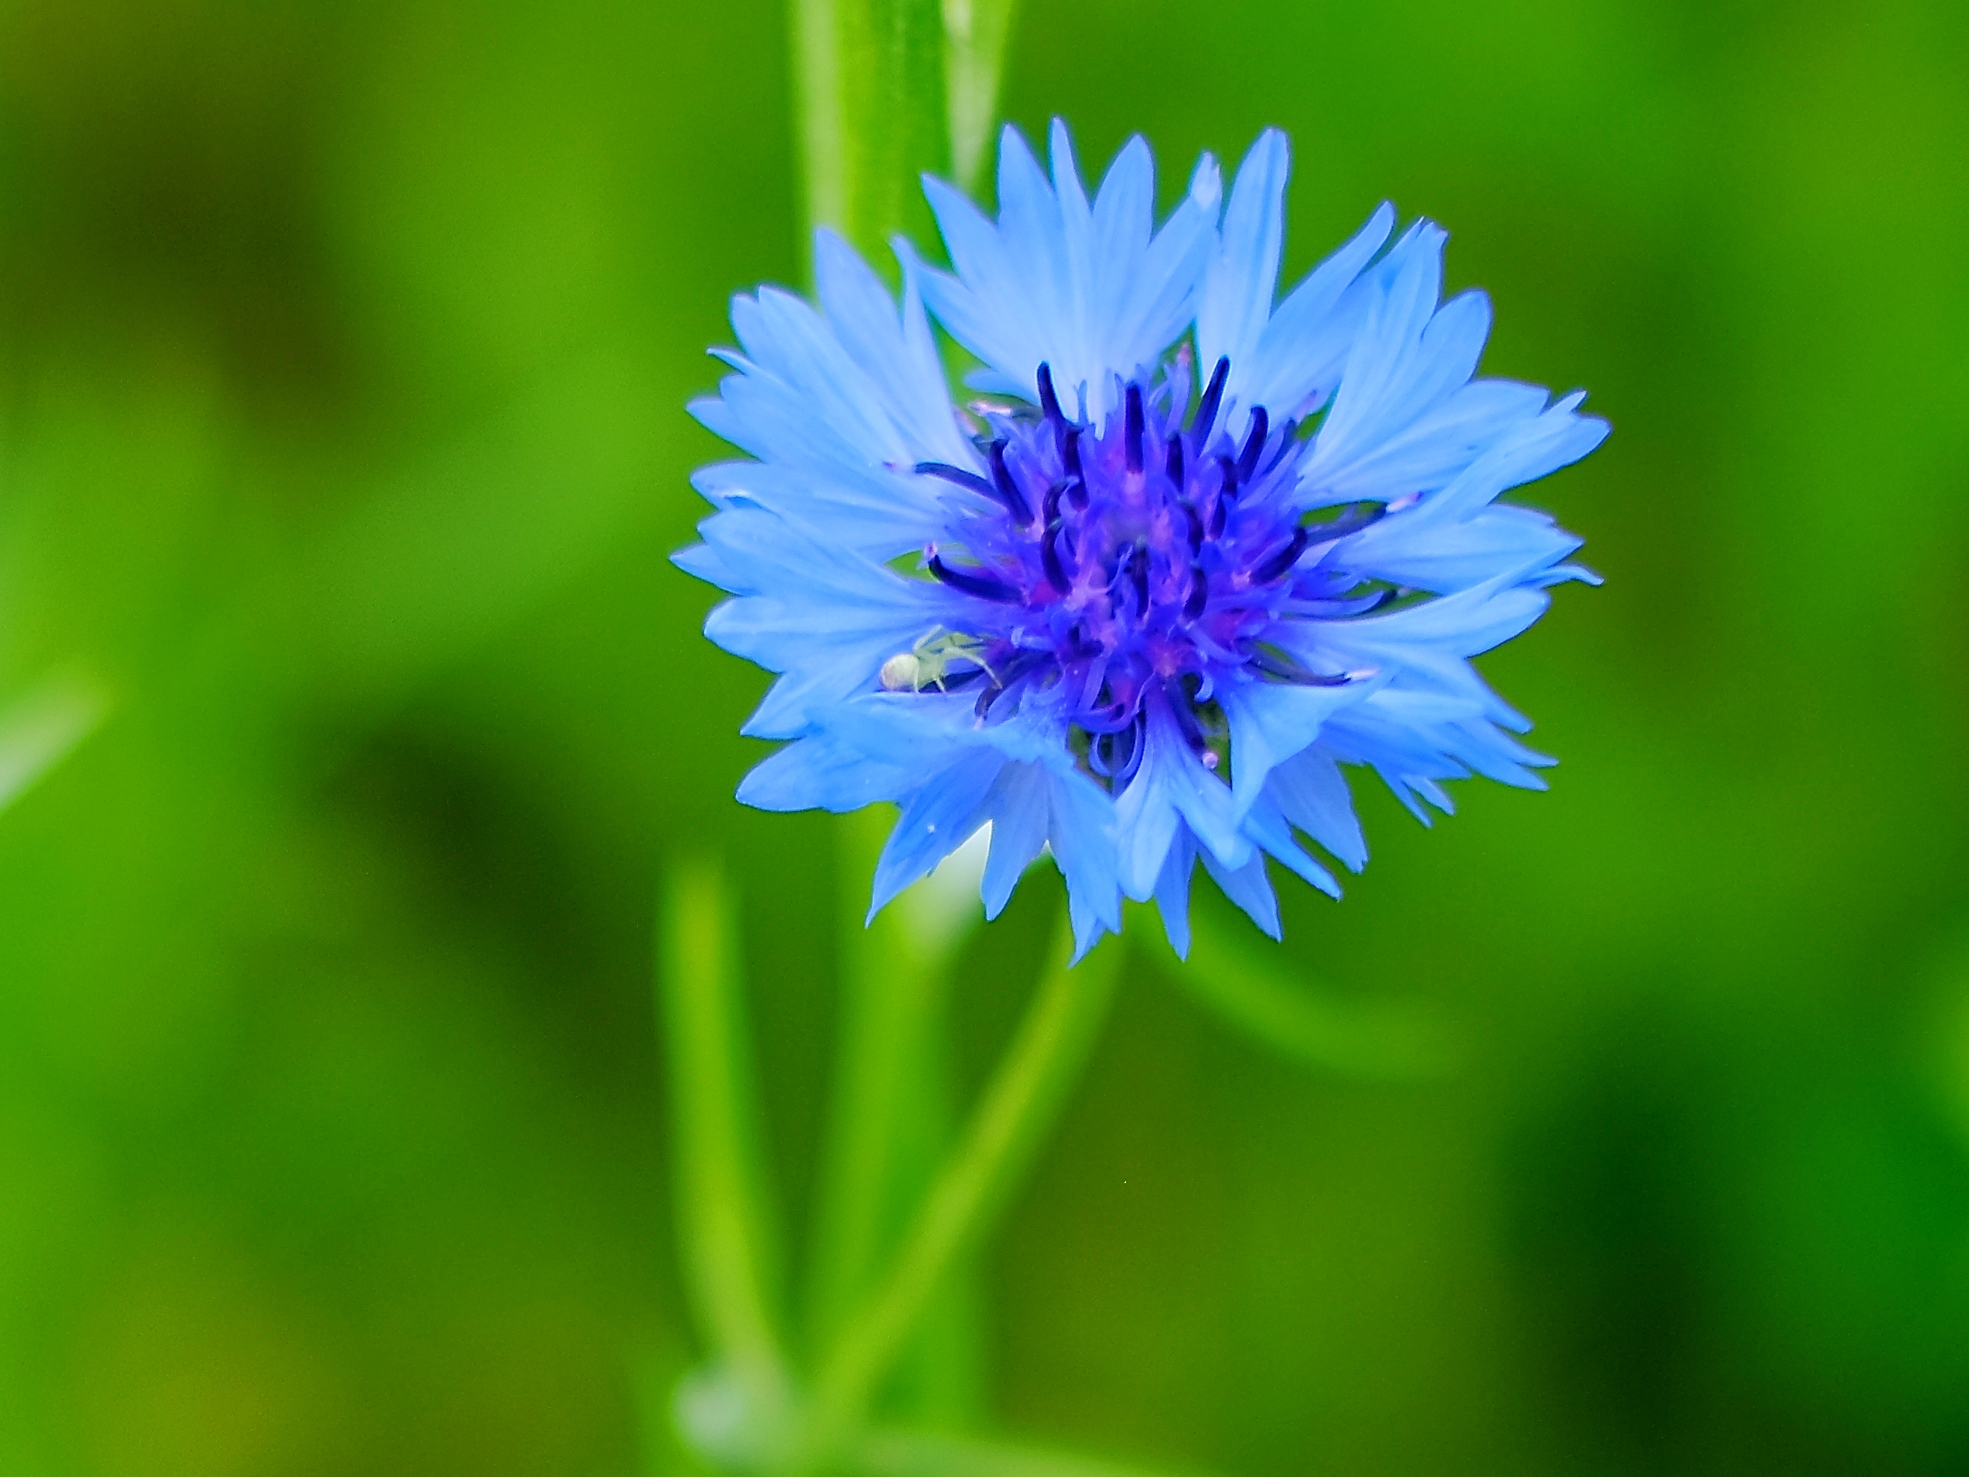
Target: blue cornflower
x,y
1197,550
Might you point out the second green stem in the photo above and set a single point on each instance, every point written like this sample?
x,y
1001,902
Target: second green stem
x,y
1018,1107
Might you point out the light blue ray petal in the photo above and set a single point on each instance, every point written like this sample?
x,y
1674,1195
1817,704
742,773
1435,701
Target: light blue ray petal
x,y
1018,809
900,368
1080,832
920,344
744,413
870,512
822,773
816,676
1146,821
1272,721
1451,346
833,619
1172,891
1120,230
1029,223
1453,539
762,551
1093,294
935,821
788,340
1529,449
979,305
1266,825
701,562
1297,359
1078,311
1248,887
1235,302
1461,624
1160,302
1170,784
1311,793
1386,358
1432,450
1445,557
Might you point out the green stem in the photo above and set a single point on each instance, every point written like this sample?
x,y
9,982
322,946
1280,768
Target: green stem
x,y
895,1453
1018,1107
729,1249
870,83
877,1158
976,33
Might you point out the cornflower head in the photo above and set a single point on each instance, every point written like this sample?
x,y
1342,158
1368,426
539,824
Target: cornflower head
x,y
1194,549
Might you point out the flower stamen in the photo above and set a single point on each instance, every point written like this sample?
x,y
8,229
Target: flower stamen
x,y
1206,408
984,586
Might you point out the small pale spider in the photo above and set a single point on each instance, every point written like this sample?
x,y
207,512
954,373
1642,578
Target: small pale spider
x,y
928,663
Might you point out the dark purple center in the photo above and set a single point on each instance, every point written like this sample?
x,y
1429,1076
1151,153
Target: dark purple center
x,y
1139,557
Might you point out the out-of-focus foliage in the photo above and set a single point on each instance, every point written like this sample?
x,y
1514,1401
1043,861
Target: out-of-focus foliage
x,y
342,352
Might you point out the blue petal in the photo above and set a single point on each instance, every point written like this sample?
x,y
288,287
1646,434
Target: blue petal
x,y
837,403
1094,292
1018,808
1453,556
952,777
1311,793
1236,301
1390,370
1267,826
1272,721
939,818
1172,891
701,561
832,620
894,351
1248,887
1170,787
867,513
822,772
1298,358
1080,831
1454,538
1430,642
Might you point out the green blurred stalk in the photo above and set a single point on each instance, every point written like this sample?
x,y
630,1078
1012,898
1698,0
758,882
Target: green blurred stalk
x,y
889,1125
870,80
889,1453
728,1234
1018,1107
975,36
888,90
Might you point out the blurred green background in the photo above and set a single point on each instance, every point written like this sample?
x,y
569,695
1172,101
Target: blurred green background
x,y
341,370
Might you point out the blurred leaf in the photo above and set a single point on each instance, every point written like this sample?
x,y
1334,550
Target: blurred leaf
x,y
1258,995
39,729
447,552
915,1454
727,1231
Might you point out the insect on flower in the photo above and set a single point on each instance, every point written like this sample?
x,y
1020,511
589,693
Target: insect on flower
x,y
1202,548
930,661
